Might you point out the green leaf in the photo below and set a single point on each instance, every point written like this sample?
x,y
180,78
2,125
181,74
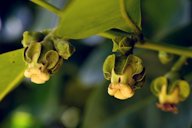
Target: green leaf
x,y
12,67
83,18
133,8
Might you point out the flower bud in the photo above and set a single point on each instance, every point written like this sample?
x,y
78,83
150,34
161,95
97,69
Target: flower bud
x,y
164,57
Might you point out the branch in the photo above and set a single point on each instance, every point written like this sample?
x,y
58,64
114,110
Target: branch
x,y
177,50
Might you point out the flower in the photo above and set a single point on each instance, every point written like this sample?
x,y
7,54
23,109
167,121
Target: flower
x,y
170,95
44,54
126,75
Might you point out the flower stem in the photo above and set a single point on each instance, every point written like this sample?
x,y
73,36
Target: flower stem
x,y
127,18
174,72
177,50
179,64
47,6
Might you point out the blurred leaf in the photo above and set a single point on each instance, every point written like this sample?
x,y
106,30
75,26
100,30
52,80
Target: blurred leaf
x,y
104,111
165,16
83,18
12,67
181,36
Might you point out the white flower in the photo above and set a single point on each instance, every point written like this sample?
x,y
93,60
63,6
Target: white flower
x,y
120,91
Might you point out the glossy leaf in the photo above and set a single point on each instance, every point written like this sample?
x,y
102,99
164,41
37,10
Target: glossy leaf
x,y
12,67
83,18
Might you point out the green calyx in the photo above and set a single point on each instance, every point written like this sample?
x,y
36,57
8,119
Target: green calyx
x,y
123,44
30,37
122,70
64,48
44,56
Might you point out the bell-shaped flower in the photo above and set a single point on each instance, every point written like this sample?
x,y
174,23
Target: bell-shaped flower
x,y
170,95
45,57
126,75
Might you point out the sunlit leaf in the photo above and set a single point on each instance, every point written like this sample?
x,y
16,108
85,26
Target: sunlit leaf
x,y
12,67
83,18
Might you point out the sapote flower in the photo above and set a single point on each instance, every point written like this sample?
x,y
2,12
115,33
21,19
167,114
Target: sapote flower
x,y
44,57
126,75
170,95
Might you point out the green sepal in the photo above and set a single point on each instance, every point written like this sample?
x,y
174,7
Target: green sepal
x,y
122,45
57,66
51,58
165,57
32,53
157,84
184,88
64,48
108,66
139,77
30,37
136,64
139,84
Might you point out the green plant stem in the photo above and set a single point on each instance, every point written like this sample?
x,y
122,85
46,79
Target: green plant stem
x,y
47,6
174,72
126,17
177,50
179,64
